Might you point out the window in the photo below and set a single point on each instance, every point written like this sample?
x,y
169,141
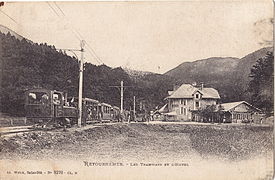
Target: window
x,y
181,110
185,102
197,96
181,101
197,104
184,111
57,98
38,98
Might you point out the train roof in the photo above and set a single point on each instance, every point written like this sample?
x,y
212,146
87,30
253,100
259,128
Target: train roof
x,y
115,107
91,100
105,104
85,99
43,90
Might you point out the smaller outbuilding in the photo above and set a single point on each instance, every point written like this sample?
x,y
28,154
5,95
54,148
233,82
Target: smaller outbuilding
x,y
241,111
159,114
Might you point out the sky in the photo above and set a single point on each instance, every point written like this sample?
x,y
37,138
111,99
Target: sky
x,y
148,36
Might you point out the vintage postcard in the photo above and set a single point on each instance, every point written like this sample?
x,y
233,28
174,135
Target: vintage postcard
x,y
137,90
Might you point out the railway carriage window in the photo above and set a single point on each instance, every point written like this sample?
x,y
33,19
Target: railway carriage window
x,y
45,99
57,99
32,98
38,98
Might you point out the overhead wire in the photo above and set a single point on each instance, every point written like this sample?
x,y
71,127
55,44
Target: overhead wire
x,y
10,17
78,34
90,49
57,14
52,8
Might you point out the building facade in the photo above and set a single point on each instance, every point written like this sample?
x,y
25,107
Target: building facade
x,y
187,99
237,112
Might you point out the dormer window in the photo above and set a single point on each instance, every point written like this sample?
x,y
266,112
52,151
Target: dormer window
x,y
197,96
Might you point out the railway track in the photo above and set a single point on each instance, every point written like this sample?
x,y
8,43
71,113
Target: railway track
x,y
15,130
10,131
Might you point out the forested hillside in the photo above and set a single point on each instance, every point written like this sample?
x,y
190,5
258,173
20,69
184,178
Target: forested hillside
x,y
26,65
230,76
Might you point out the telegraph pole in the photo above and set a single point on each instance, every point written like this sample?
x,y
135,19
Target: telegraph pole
x,y
121,97
82,43
80,90
122,88
134,108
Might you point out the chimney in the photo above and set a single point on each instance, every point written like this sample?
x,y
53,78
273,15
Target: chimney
x,y
201,87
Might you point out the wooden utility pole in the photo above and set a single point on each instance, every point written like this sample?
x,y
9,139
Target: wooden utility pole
x,y
80,84
80,87
122,88
134,111
121,97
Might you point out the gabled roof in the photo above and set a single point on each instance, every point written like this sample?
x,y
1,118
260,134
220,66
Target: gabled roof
x,y
163,109
231,105
170,92
187,91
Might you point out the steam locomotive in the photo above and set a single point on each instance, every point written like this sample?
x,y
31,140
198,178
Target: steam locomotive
x,y
52,108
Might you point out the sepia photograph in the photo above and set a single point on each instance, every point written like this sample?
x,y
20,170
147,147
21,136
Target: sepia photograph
x,y
137,90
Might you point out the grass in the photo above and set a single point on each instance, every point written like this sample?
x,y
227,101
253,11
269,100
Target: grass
x,y
140,141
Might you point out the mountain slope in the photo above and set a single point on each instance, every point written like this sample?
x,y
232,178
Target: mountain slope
x,y
230,76
246,63
6,30
203,70
135,73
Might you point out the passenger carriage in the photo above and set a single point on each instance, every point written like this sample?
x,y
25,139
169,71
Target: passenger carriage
x,y
49,107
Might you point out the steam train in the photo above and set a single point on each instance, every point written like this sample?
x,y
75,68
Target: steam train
x,y
52,108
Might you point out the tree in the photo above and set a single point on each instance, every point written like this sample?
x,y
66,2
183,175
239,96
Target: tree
x,y
207,113
261,85
219,113
211,113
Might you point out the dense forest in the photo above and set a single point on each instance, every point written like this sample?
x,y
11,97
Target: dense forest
x,y
26,65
